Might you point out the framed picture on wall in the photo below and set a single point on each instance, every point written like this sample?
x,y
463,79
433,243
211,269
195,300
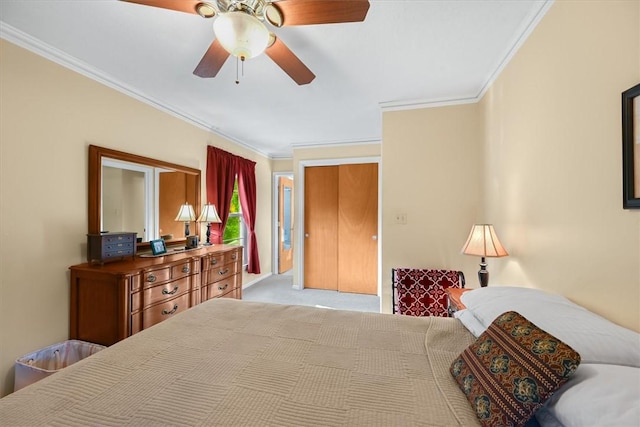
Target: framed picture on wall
x,y
158,247
631,147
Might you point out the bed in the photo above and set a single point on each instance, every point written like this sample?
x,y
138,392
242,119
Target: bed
x,y
230,362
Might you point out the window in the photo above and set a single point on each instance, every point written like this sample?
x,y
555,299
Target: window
x,y
235,232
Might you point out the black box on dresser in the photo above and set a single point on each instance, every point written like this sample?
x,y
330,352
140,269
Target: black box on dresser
x,y
105,247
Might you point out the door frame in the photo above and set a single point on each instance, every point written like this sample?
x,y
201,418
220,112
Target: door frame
x,y
274,214
298,251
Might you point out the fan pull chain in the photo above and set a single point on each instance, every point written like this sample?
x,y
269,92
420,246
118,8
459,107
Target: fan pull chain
x,y
242,69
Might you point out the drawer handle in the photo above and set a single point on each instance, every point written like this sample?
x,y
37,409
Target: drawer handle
x,y
166,313
234,256
214,261
166,292
186,269
223,272
151,278
222,288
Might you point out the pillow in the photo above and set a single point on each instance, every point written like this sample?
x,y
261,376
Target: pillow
x,y
595,338
512,369
597,395
470,322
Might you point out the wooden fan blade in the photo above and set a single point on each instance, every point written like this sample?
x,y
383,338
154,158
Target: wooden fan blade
x,y
212,60
290,63
307,12
187,6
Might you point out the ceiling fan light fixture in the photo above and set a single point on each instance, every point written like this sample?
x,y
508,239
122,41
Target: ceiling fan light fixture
x,y
241,34
205,10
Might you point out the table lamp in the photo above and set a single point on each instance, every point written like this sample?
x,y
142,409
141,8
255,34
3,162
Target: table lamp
x,y
209,215
186,214
483,242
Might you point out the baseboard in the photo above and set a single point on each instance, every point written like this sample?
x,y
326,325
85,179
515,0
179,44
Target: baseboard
x,y
256,280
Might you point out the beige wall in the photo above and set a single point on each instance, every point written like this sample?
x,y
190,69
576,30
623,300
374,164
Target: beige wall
x,y
553,157
543,148
431,164
282,165
49,116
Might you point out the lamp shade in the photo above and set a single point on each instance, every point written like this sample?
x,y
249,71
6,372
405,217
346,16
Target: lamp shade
x,y
209,214
186,213
483,241
241,34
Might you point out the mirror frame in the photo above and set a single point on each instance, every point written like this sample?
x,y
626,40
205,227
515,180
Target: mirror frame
x,y
95,187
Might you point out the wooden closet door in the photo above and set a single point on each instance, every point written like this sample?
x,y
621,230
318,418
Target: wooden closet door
x,y
358,228
321,227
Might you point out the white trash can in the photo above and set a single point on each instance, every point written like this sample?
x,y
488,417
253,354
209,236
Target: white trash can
x,y
41,363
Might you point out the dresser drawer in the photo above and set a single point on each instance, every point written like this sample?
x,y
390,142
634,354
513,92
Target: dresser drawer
x,y
233,256
186,269
214,290
220,273
158,313
176,271
160,293
212,262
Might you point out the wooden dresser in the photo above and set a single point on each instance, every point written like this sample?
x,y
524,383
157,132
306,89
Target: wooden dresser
x,y
113,301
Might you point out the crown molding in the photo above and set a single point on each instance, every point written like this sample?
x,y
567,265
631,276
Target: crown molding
x,y
418,104
281,156
325,144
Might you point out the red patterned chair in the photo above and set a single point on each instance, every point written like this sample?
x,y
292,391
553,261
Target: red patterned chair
x,y
421,292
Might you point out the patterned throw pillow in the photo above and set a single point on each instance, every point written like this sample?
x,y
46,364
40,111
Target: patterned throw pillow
x,y
512,369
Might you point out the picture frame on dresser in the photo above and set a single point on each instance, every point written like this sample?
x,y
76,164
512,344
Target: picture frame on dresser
x,y
631,147
158,247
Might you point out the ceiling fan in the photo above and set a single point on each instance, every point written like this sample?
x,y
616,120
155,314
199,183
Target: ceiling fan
x,y
240,30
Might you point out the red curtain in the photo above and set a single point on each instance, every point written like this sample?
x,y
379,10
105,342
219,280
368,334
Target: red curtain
x,y
221,175
247,193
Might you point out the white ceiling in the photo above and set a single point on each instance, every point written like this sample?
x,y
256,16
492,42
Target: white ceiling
x,y
405,54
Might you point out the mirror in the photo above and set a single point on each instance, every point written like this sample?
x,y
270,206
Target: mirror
x,y
128,192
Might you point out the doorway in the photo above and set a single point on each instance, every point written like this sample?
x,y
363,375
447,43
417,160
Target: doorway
x,y
285,222
283,213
